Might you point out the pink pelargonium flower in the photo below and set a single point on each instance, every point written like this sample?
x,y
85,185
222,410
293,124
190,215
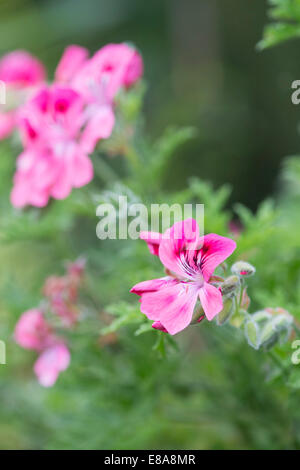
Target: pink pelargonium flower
x,y
54,160
99,79
191,261
32,331
19,69
20,72
50,363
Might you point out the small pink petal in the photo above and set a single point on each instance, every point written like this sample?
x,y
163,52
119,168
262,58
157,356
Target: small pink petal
x,y
158,326
82,169
153,285
72,60
153,240
50,363
99,126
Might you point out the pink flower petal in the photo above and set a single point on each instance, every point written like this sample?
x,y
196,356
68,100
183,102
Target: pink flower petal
x,y
32,331
172,306
153,285
99,126
82,169
211,300
62,187
50,363
153,240
72,60
214,251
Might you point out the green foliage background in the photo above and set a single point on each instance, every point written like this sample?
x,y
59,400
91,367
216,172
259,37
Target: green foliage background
x,y
208,389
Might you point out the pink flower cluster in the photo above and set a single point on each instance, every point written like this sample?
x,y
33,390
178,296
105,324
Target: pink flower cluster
x,y
190,261
33,330
61,123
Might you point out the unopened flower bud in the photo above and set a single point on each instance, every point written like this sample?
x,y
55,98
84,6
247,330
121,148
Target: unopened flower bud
x,y
271,328
243,269
252,334
283,325
261,317
268,336
230,285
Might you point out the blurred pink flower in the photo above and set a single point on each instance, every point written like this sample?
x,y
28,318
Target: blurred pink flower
x,y
61,124
32,331
53,161
191,260
20,69
112,67
50,363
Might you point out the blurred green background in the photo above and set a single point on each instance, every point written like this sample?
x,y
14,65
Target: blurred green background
x,y
202,69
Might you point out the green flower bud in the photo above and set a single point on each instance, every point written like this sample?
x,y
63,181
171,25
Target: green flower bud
x,y
252,334
225,314
268,336
230,286
243,269
261,317
283,325
271,328
282,321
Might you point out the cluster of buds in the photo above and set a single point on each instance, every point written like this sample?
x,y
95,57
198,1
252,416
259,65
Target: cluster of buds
x,y
263,329
234,292
35,331
62,291
268,327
